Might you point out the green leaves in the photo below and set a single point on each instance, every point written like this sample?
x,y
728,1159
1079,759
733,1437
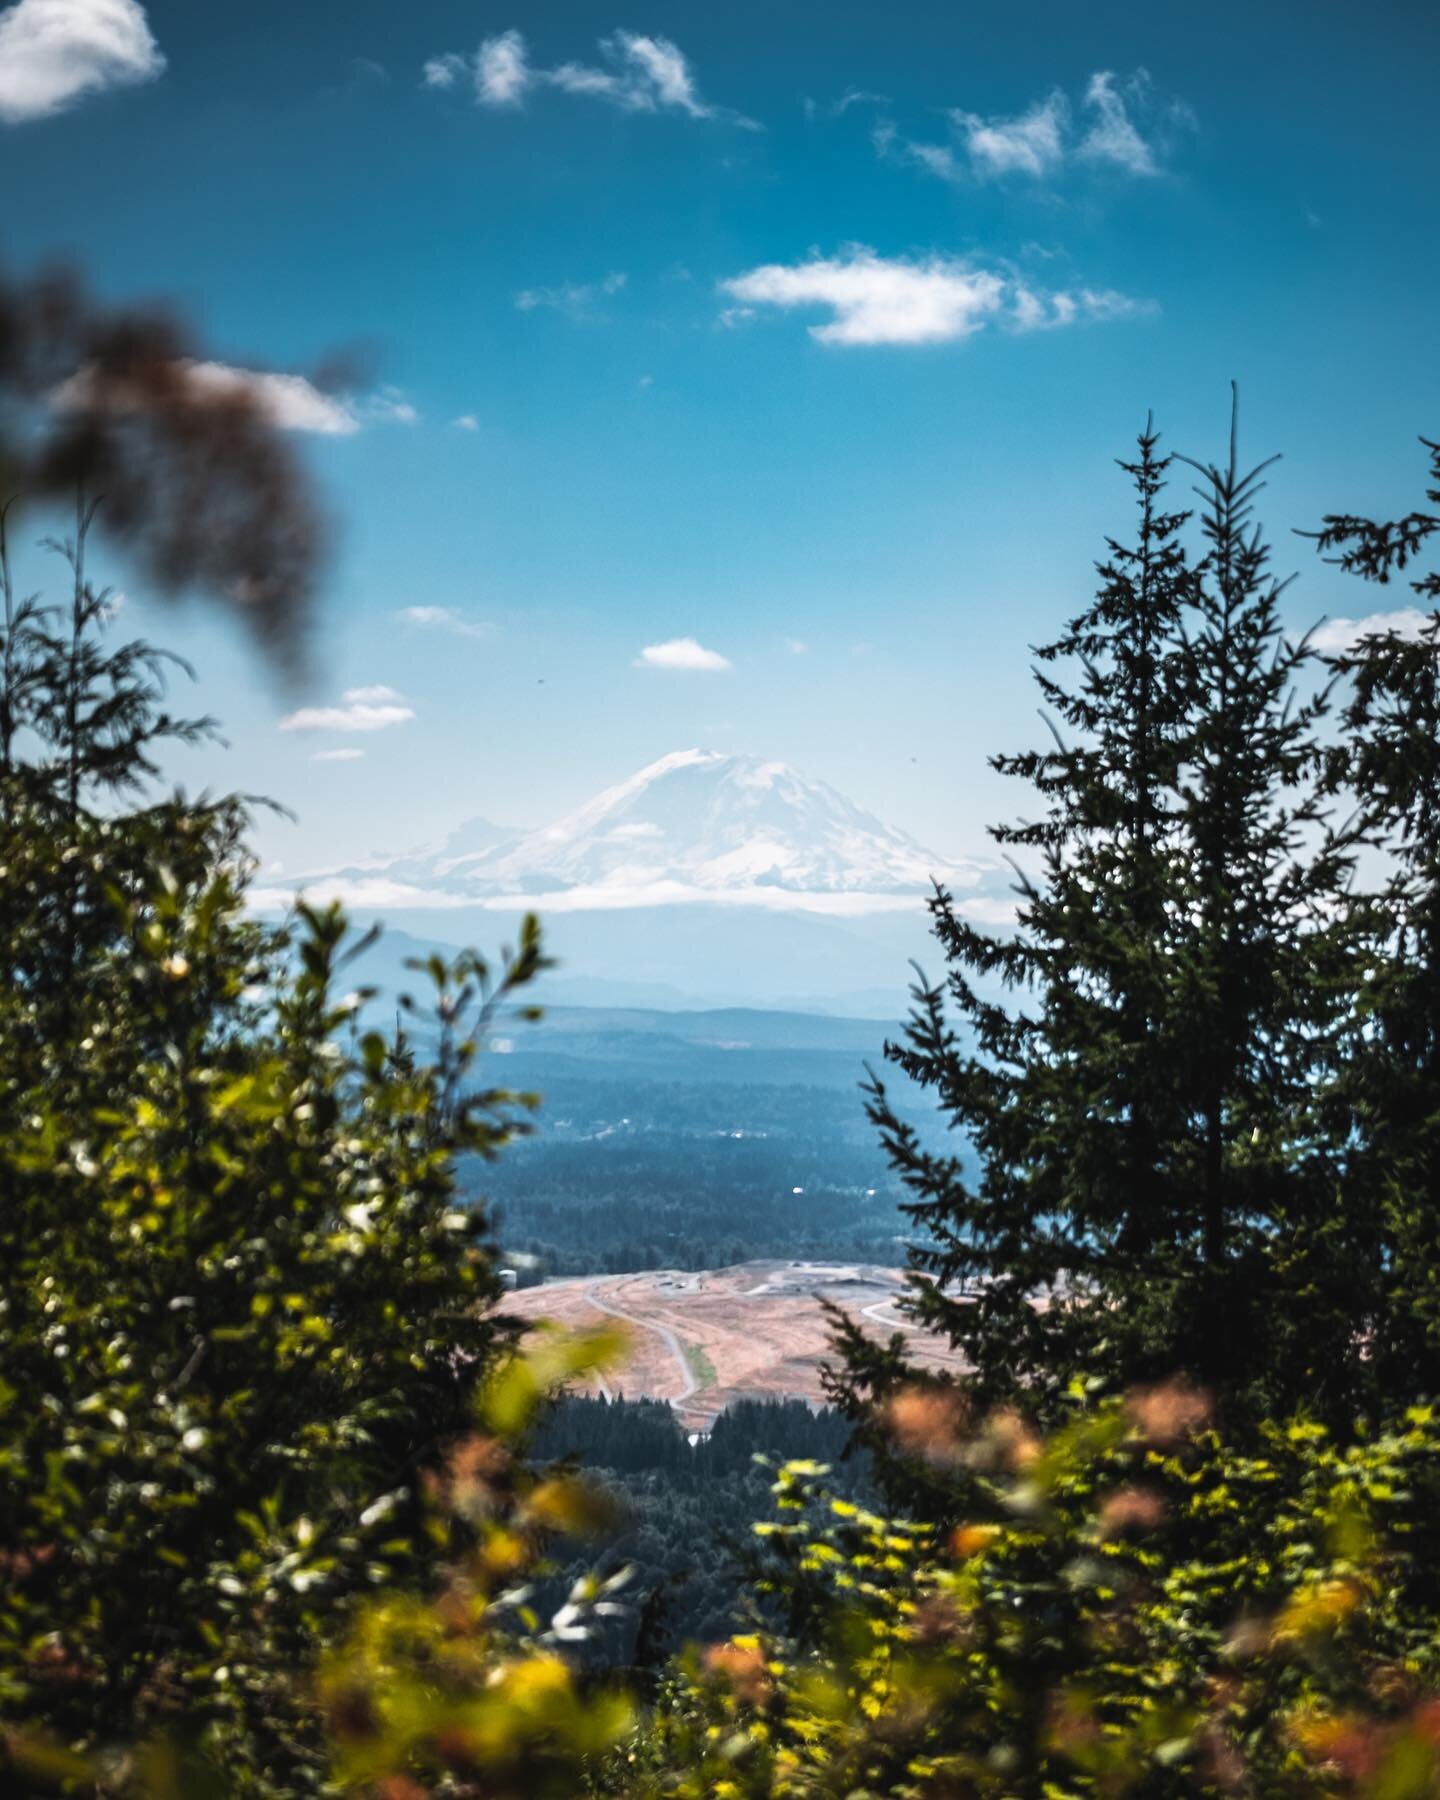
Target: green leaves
x,y
245,1304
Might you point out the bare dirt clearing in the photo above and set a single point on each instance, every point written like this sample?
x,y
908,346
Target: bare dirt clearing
x,y
701,1340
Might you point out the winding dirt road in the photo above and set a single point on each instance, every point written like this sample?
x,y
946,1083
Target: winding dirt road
x,y
671,1340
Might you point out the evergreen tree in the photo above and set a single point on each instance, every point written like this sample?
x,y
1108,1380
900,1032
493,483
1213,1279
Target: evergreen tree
x,y
1146,1186
1387,1090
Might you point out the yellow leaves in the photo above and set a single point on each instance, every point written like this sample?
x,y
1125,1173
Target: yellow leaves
x,y
970,1540
564,1503
1318,1608
511,1397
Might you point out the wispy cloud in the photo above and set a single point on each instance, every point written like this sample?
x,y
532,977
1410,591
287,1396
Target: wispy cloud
x,y
1032,311
636,73
501,71
929,300
683,653
1113,137
347,755
466,422
444,618
53,52
388,407
1337,636
836,109
573,297
361,709
1032,144
1118,123
444,71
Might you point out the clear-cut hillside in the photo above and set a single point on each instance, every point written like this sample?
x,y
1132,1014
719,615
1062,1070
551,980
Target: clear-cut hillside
x,y
694,825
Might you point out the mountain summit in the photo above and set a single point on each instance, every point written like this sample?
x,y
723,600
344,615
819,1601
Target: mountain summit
x,y
696,825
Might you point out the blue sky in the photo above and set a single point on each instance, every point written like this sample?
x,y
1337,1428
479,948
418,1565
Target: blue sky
x,y
814,325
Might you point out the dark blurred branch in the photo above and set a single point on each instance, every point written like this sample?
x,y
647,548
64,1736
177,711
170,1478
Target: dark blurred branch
x,y
199,483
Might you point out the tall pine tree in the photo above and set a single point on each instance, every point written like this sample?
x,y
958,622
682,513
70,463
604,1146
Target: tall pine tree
x,y
1145,1186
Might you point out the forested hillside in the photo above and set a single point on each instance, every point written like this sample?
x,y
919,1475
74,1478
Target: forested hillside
x,y
685,1507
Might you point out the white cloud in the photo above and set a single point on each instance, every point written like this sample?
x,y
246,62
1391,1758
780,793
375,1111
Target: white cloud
x,y
683,653
878,301
930,300
639,74
795,647
1113,138
381,892
1123,125
574,297
466,422
443,618
660,69
336,755
443,71
1047,312
501,71
53,52
289,402
363,709
1337,636
1032,144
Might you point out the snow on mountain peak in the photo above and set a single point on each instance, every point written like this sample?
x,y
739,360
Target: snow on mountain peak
x,y
693,825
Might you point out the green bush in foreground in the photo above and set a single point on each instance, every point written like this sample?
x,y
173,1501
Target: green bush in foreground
x,y
1131,1608
241,1308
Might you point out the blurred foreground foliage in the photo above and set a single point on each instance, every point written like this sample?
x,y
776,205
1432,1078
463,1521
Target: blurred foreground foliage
x,y
1128,1607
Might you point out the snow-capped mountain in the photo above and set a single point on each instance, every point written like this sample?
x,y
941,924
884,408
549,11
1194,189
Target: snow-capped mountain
x,y
696,825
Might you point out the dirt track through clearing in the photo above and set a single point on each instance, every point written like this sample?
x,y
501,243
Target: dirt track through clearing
x,y
671,1339
761,1327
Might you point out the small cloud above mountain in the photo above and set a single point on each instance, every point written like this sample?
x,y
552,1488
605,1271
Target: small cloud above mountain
x,y
683,653
361,709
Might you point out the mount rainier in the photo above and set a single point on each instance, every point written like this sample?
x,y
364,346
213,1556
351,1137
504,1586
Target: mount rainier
x,y
696,825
